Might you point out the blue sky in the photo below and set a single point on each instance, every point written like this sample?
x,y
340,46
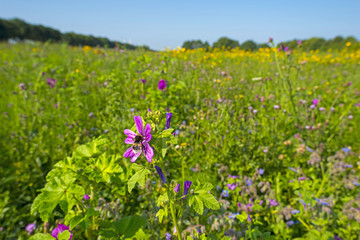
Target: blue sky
x,y
161,24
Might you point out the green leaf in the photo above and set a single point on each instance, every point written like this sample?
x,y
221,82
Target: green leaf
x,y
161,214
59,190
65,235
138,177
126,227
108,167
202,197
41,236
83,219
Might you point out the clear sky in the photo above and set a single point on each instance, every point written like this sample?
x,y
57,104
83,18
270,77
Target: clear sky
x,y
161,24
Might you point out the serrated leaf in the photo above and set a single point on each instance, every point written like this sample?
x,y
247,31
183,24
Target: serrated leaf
x,y
41,236
108,167
65,235
197,204
161,214
59,190
138,177
202,197
125,227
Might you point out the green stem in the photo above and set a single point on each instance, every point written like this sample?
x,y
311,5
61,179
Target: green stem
x,y
178,232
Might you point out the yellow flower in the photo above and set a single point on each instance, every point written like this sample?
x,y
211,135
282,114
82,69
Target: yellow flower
x,y
348,44
77,70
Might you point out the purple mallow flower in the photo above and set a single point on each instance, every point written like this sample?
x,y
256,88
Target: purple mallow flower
x,y
162,84
315,101
161,174
30,228
187,185
232,186
272,202
60,228
86,197
139,141
168,118
177,188
51,82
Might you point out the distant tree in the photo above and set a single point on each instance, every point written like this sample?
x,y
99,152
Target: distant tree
x,y
290,44
249,45
193,44
225,42
314,43
263,45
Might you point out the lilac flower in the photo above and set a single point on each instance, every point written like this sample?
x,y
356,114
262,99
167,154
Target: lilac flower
x,y
290,223
143,138
346,150
350,117
357,105
161,174
30,228
265,150
168,236
168,118
322,109
143,80
22,86
261,202
315,101
86,197
249,182
233,215
312,106
248,218
299,42
337,238
232,186
272,202
51,82
177,188
91,115
60,228
261,171
162,84
187,185
276,107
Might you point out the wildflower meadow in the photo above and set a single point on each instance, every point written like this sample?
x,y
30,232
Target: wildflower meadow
x,y
105,143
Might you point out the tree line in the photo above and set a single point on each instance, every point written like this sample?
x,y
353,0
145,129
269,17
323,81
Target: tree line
x,y
314,43
19,29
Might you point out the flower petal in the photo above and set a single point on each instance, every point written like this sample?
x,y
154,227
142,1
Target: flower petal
x,y
147,132
136,155
129,153
129,140
139,125
149,152
130,133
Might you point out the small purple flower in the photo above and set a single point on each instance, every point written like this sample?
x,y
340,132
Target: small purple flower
x,y
187,185
30,228
22,86
286,49
276,107
272,202
161,174
232,186
322,109
265,151
312,106
60,228
143,80
349,83
290,223
337,238
357,105
168,236
315,101
162,84
261,171
261,202
248,218
168,118
350,117
177,188
299,42
142,138
295,212
51,82
86,197
91,115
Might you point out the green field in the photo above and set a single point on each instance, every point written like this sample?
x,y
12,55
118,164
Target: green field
x,y
272,135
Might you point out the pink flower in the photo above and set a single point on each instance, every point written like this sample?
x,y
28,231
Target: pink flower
x,y
315,101
141,141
